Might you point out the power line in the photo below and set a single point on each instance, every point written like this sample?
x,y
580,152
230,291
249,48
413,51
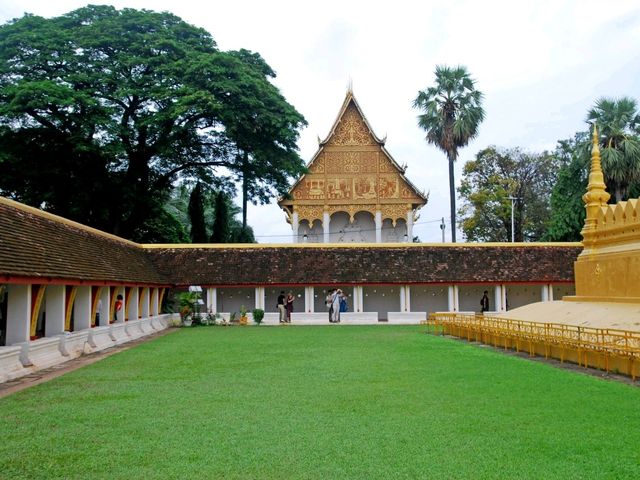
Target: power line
x,y
437,220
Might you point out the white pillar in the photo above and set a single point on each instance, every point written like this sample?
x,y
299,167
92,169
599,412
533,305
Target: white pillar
x,y
378,226
259,296
82,309
54,300
18,313
544,293
325,226
503,306
410,226
295,225
133,304
403,305
309,299
451,302
497,299
212,300
356,300
456,298
145,303
105,298
361,298
407,298
550,293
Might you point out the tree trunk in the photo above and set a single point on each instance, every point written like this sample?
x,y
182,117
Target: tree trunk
x,y
452,195
245,162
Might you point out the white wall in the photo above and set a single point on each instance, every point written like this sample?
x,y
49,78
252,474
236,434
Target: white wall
x,y
381,299
560,291
231,299
272,293
469,297
314,234
427,298
520,295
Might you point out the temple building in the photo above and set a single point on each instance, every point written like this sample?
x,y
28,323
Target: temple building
x,y
354,190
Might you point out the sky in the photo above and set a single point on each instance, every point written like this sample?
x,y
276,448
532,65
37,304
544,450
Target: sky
x,y
540,65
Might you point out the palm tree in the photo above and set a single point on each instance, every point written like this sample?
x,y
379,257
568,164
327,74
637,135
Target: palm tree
x,y
452,114
619,124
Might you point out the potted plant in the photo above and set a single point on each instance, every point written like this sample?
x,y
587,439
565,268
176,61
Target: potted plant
x,y
243,315
258,315
187,301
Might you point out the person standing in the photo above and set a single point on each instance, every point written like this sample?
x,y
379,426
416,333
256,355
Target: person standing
x,y
335,306
117,307
289,306
329,303
281,308
484,302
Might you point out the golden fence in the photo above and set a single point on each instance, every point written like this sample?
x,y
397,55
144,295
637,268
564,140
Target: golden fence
x,y
606,349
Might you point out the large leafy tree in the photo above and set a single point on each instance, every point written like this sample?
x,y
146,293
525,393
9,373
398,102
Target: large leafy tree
x,y
567,208
451,115
487,185
108,108
618,125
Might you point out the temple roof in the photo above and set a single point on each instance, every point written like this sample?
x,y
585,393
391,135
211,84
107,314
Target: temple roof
x,y
361,264
352,167
38,247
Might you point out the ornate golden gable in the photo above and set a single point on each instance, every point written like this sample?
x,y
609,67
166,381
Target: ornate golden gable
x,y
353,172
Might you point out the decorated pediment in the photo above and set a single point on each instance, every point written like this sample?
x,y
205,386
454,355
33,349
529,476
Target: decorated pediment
x,y
353,171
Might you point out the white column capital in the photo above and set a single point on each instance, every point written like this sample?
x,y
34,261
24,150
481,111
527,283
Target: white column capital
x,y
326,219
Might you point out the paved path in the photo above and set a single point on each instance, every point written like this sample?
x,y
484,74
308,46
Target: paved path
x,y
41,376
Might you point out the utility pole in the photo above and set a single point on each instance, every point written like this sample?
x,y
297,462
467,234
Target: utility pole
x,y
513,202
442,227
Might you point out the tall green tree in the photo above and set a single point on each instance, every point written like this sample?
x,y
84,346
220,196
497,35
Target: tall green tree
x,y
221,221
116,106
567,208
618,125
488,183
196,215
452,113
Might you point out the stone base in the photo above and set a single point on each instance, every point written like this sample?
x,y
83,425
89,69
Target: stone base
x,y
271,318
145,326
313,318
118,333
359,318
72,344
405,318
99,339
10,365
41,353
133,329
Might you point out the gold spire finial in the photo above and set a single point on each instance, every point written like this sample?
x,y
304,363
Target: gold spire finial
x,y
596,195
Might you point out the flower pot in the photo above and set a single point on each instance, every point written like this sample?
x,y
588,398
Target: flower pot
x,y
187,322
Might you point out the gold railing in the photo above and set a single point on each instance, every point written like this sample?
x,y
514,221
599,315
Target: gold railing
x,y
606,349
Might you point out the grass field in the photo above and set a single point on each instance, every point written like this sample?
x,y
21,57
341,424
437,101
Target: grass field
x,y
320,402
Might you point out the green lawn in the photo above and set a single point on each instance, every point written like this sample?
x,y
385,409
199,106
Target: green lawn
x,y
319,402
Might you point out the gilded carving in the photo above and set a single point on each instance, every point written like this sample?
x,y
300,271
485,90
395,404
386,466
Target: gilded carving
x,y
386,166
388,186
395,212
309,212
313,188
364,188
407,192
338,188
351,162
351,130
317,166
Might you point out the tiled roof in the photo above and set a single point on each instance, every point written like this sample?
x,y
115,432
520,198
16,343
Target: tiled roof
x,y
367,264
35,244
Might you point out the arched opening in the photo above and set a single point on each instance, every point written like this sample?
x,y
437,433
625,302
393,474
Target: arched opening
x,y
394,234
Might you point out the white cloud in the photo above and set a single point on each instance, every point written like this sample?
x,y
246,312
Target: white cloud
x,y
540,64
